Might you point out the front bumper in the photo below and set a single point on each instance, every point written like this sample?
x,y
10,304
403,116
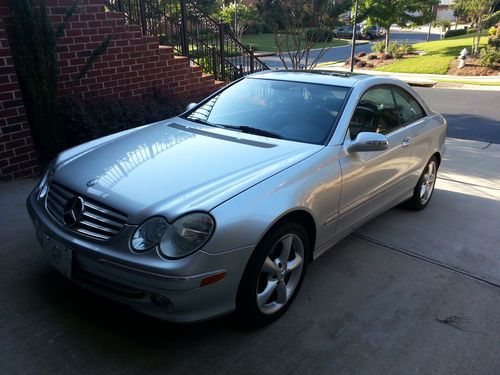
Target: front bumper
x,y
168,290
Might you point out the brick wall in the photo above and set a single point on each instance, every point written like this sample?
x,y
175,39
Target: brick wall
x,y
131,66
17,157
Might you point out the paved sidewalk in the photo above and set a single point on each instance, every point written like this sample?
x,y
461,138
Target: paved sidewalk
x,y
428,80
408,293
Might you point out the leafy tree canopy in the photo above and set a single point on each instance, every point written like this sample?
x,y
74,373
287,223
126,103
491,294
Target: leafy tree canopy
x,y
396,12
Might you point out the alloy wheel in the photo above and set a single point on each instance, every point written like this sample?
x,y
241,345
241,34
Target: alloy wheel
x,y
428,180
280,274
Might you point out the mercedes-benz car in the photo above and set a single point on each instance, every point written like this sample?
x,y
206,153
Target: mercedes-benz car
x,y
223,207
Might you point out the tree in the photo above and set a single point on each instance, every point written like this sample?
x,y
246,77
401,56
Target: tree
x,y
481,12
299,26
208,6
399,12
240,16
459,10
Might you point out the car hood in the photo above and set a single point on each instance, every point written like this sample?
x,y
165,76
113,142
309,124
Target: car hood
x,y
173,167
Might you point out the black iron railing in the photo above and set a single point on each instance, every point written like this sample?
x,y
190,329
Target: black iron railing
x,y
192,33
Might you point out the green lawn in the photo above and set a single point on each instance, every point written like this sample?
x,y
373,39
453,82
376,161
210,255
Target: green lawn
x,y
440,54
265,42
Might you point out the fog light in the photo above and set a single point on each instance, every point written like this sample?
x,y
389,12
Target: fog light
x,y
160,301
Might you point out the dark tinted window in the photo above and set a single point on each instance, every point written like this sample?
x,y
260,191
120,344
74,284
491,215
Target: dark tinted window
x,y
407,108
379,102
295,111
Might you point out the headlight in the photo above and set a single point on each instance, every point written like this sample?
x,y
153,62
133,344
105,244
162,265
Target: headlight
x,y
149,234
43,185
187,235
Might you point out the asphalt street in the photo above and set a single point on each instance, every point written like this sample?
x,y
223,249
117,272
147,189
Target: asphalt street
x,y
342,53
471,114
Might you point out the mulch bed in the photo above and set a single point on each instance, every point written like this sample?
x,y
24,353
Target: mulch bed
x,y
374,60
472,68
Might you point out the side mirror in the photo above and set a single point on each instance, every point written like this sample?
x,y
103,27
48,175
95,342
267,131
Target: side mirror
x,y
190,106
368,141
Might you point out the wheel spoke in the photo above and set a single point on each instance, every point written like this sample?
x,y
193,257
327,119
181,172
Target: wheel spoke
x,y
294,263
269,267
282,293
287,247
423,189
263,297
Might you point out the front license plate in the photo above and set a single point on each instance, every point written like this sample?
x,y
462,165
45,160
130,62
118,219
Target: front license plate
x,y
60,256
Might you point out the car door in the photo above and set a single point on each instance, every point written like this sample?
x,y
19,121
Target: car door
x,y
371,180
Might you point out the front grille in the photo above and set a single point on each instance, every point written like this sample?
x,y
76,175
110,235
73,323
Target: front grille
x,y
96,220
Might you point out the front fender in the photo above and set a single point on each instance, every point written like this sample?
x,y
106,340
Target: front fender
x,y
312,185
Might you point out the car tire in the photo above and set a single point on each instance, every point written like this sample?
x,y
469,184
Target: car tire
x,y
422,193
269,284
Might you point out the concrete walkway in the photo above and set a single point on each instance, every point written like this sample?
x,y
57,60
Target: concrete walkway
x,y
408,293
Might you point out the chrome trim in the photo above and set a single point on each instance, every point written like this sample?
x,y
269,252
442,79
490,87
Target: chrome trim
x,y
97,222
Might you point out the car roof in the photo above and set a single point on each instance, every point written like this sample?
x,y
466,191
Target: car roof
x,y
324,77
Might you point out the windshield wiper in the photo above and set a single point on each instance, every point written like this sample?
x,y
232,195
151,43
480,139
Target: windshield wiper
x,y
200,121
252,130
242,128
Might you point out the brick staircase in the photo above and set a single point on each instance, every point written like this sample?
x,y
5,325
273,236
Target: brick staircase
x,y
133,63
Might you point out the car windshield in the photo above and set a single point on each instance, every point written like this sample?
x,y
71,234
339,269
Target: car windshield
x,y
295,111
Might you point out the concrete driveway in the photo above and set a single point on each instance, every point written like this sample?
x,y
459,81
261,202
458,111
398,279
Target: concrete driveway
x,y
408,293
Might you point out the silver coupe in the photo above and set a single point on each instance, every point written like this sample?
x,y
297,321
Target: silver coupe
x,y
222,208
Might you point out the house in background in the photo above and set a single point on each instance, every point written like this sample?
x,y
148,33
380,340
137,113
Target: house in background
x,y
444,11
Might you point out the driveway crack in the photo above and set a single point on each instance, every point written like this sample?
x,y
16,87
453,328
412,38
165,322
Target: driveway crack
x,y
426,259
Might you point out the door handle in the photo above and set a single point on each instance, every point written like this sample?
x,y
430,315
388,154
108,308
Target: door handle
x,y
406,142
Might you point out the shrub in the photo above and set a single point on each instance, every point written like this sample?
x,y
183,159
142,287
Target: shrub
x,y
372,57
386,56
369,65
255,28
378,47
362,54
33,42
87,120
457,32
395,50
492,30
348,61
494,42
489,57
360,64
407,48
319,34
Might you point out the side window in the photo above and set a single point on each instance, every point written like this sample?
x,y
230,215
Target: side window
x,y
375,112
407,108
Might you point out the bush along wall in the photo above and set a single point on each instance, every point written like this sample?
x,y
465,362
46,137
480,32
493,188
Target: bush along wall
x,y
33,44
85,120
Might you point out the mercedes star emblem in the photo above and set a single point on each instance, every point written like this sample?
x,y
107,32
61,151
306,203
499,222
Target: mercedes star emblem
x,y
73,210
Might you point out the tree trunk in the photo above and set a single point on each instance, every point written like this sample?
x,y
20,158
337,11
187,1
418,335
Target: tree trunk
x,y
478,40
387,37
456,22
429,32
